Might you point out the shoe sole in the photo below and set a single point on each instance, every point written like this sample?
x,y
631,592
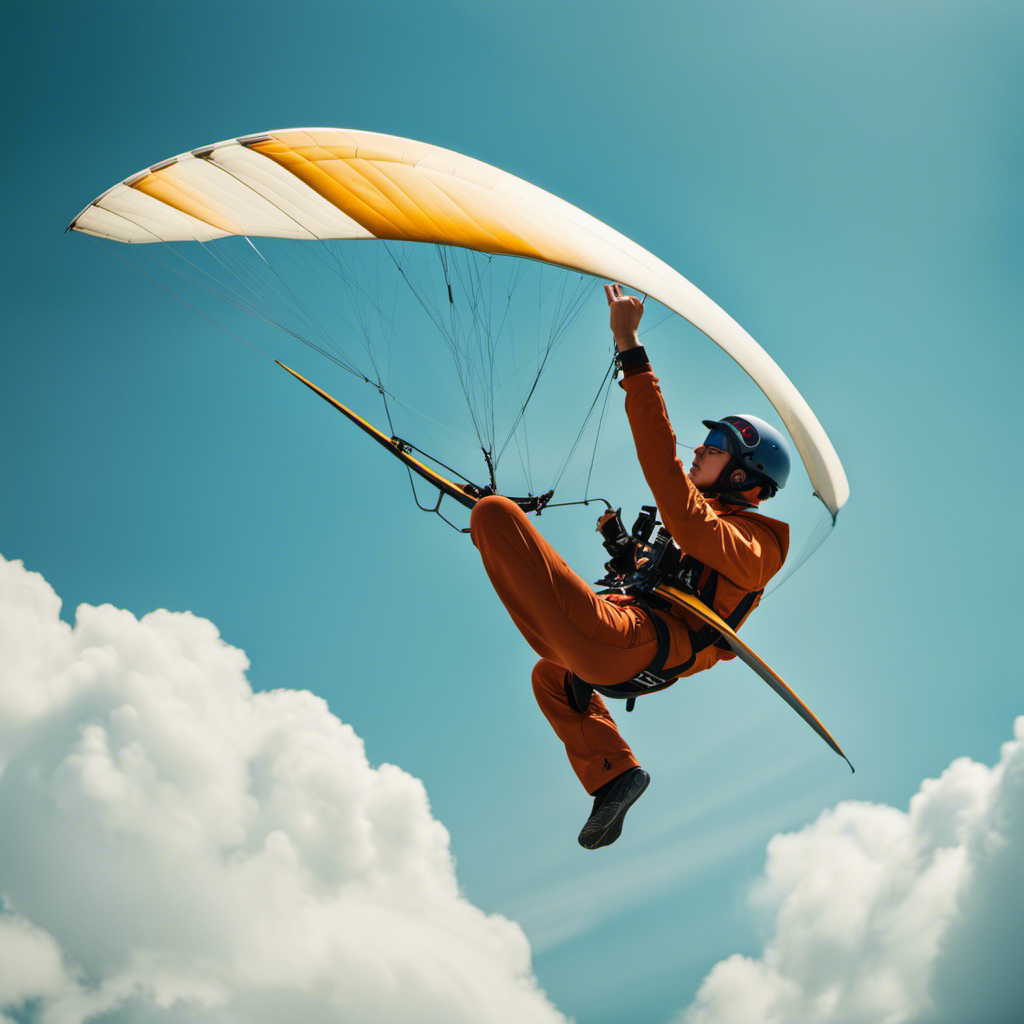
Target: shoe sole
x,y
613,829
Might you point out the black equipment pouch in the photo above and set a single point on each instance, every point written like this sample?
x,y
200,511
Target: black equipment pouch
x,y
625,547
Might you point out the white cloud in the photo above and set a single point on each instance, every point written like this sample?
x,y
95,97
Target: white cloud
x,y
886,917
175,847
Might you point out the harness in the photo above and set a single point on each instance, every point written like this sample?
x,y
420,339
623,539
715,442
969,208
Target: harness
x,y
659,562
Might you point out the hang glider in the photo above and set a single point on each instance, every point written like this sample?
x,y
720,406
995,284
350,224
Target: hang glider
x,y
342,201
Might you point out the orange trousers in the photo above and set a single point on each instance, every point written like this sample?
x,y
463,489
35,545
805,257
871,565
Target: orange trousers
x,y
573,630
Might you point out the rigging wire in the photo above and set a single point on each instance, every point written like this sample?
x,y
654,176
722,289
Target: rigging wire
x,y
481,323
486,324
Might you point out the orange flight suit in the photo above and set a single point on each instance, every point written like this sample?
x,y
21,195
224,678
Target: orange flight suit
x,y
608,640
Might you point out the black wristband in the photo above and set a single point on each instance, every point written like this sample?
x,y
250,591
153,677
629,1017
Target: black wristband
x,y
631,357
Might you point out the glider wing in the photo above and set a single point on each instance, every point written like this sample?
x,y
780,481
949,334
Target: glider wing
x,y
329,183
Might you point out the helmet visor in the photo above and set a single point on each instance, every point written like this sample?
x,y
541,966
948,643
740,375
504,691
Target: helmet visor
x,y
717,438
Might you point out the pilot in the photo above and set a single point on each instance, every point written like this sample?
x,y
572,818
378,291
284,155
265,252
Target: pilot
x,y
625,645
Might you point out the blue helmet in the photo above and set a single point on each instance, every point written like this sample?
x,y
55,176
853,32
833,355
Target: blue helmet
x,y
755,445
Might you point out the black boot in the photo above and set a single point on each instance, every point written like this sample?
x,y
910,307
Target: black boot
x,y
611,802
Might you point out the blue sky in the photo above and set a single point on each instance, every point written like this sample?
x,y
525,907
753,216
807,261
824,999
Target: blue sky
x,y
843,178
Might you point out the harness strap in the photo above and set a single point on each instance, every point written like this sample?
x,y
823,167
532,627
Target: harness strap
x,y
655,677
707,635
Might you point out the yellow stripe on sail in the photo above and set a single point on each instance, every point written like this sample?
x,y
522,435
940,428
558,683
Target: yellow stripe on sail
x,y
394,199
166,187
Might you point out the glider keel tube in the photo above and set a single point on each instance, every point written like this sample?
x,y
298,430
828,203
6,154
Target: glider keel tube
x,y
466,494
691,604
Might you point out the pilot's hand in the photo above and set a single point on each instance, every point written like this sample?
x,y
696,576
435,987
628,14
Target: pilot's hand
x,y
625,313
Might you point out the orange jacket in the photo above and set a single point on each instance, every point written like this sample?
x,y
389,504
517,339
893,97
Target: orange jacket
x,y
746,548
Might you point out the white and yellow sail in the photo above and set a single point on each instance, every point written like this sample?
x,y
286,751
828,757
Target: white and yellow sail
x,y
329,183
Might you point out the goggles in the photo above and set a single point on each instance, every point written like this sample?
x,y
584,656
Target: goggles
x,y
717,439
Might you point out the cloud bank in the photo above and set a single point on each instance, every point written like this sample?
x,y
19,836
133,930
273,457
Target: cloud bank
x,y
176,848
887,917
